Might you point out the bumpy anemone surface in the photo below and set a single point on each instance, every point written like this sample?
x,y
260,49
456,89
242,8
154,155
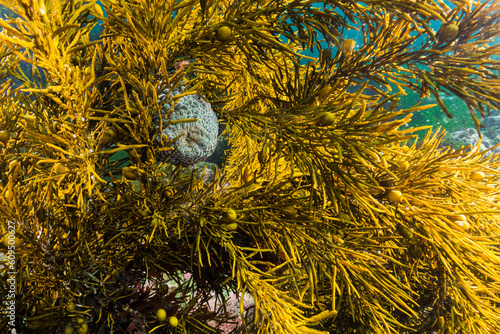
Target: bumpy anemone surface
x,y
198,139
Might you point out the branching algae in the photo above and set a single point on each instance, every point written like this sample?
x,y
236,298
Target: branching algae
x,y
328,214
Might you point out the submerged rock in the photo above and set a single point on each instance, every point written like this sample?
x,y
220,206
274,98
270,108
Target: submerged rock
x,y
468,137
492,121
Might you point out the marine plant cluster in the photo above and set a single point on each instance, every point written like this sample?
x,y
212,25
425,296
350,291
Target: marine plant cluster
x,y
328,213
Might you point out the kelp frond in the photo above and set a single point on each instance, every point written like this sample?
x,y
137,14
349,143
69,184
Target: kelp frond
x,y
330,212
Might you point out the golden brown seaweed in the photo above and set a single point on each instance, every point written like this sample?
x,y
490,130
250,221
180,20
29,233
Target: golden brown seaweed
x,y
328,210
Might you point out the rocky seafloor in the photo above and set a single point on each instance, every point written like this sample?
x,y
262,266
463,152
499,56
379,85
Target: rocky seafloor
x,y
469,136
